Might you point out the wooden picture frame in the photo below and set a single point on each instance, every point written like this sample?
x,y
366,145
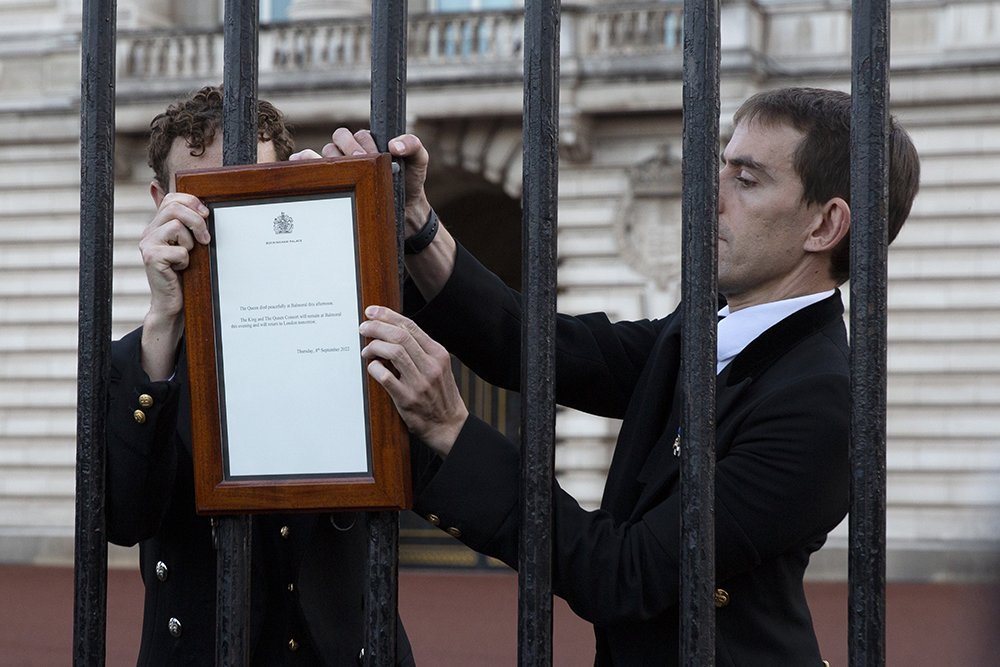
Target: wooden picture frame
x,y
284,415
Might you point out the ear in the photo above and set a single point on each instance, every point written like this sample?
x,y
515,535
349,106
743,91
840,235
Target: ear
x,y
832,223
157,192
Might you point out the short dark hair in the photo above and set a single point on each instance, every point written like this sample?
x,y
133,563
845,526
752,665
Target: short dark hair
x,y
823,158
197,118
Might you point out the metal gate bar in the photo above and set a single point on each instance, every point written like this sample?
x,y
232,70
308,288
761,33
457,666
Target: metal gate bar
x,y
97,197
540,143
869,246
700,223
388,120
869,196
239,132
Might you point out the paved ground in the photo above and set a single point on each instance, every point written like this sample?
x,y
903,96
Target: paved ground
x,y
470,620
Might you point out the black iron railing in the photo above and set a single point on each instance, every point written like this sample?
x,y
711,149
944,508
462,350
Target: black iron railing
x,y
540,52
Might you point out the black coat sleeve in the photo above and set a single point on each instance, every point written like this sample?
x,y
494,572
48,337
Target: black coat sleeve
x,y
478,319
779,488
141,454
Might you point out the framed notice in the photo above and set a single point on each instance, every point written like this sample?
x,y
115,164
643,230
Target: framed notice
x,y
284,415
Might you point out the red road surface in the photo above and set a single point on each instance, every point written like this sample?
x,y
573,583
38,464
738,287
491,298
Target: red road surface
x,y
471,619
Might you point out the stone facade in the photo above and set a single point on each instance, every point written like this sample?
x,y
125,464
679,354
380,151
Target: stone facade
x,y
620,130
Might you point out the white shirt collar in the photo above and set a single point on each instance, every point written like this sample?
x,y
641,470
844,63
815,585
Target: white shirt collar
x,y
739,329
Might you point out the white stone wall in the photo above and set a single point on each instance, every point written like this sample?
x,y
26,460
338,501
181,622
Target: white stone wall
x,y
943,420
594,277
944,432
39,221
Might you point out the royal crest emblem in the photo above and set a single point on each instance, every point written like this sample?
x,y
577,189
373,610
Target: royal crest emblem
x,y
649,228
283,224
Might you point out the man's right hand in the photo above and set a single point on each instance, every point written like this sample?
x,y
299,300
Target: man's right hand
x,y
431,268
165,244
343,142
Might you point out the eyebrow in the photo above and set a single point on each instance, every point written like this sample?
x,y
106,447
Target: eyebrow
x,y
747,162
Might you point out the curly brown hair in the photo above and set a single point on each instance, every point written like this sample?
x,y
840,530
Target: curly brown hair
x,y
197,118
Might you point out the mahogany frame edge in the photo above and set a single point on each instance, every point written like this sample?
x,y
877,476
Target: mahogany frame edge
x,y
369,178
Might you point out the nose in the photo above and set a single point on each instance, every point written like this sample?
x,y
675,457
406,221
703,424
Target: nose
x,y
720,195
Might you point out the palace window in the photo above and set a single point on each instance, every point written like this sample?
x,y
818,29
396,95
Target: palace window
x,y
274,11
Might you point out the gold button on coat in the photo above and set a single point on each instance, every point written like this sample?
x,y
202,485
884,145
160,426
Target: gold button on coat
x,y
145,400
139,416
454,532
721,597
293,645
174,626
434,519
285,530
162,571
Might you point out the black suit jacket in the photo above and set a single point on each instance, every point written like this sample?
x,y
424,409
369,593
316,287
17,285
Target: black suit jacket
x,y
307,583
781,479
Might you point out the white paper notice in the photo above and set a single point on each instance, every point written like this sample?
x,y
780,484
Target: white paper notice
x,y
292,379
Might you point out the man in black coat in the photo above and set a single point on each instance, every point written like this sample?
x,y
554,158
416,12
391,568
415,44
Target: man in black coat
x,y
308,570
783,395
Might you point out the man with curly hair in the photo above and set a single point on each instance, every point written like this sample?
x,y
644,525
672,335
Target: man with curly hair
x,y
308,570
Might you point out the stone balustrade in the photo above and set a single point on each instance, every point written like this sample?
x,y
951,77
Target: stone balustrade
x,y
462,40
170,55
632,31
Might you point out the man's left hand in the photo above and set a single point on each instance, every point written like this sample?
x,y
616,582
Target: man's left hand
x,y
416,372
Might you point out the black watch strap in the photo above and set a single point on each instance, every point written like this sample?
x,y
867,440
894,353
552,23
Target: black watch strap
x,y
423,238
